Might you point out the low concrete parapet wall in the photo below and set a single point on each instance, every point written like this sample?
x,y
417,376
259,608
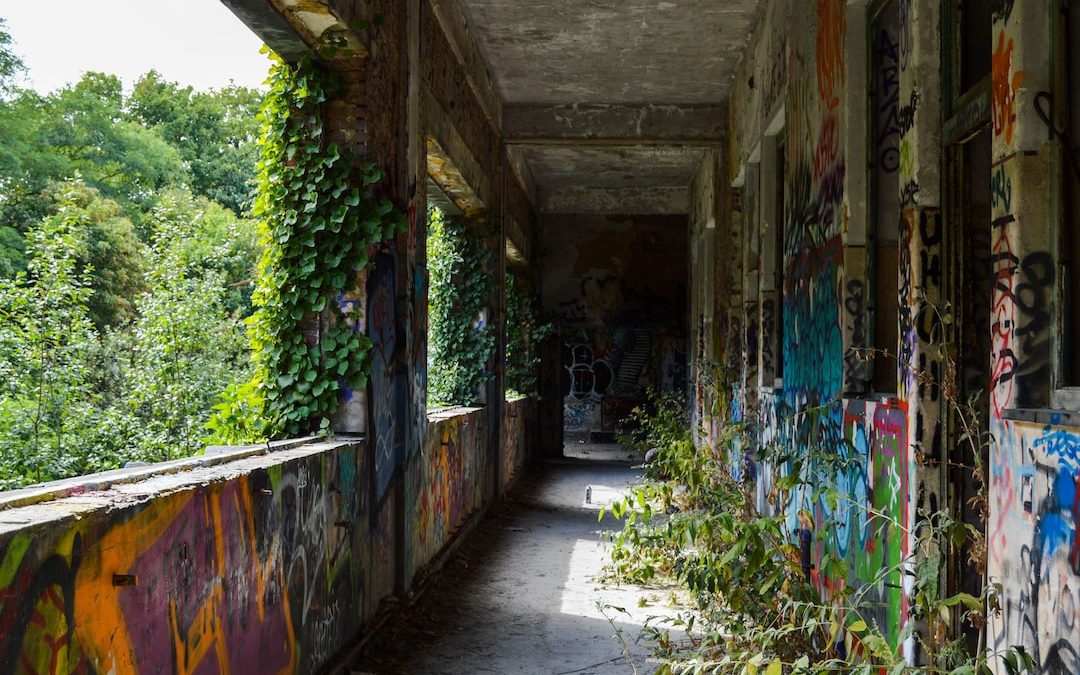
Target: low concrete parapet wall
x,y
445,483
267,558
252,565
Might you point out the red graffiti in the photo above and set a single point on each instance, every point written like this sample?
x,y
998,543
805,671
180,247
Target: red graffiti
x,y
1005,83
830,51
1002,318
828,146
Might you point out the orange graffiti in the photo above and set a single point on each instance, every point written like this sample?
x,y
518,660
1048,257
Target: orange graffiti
x,y
1004,86
101,624
830,51
828,147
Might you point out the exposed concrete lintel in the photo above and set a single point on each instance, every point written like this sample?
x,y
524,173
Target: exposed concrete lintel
x,y
519,165
293,27
450,162
653,200
448,177
616,123
266,22
467,52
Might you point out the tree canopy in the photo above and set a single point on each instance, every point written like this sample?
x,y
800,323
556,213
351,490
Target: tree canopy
x,y
127,259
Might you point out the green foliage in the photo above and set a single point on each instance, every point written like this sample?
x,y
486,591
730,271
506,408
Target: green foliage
x,y
318,217
123,284
756,607
661,423
524,333
46,337
186,348
109,248
10,63
214,132
214,242
76,398
460,343
81,129
126,147
12,252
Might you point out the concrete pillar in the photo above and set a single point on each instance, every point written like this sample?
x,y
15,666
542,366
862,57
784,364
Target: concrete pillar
x,y
921,249
1027,474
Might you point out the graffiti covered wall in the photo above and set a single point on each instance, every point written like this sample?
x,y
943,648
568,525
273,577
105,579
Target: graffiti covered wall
x,y
519,423
616,287
795,128
445,483
255,567
1033,542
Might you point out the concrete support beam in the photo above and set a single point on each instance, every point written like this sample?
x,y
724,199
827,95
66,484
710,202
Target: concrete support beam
x,y
652,200
449,177
463,43
449,154
520,168
614,123
293,27
271,27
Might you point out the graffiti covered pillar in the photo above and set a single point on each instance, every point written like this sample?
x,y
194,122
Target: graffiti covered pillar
x,y
395,314
729,289
921,292
751,318
707,325
855,290
1034,467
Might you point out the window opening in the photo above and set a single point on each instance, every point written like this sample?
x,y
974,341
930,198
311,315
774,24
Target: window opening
x,y
1069,227
781,230
460,340
887,117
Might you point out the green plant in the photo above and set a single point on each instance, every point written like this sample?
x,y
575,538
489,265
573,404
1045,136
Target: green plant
x,y
661,424
46,336
758,608
318,217
460,342
524,333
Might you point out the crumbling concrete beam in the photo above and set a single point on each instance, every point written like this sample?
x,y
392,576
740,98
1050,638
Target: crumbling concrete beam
x,y
294,27
659,200
606,123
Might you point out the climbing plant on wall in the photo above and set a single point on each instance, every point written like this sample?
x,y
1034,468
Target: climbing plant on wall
x,y
460,342
318,216
524,332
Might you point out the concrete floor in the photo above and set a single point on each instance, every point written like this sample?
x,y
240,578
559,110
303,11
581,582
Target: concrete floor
x,y
521,595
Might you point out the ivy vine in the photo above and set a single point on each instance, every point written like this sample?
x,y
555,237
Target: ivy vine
x,y
318,217
524,332
460,343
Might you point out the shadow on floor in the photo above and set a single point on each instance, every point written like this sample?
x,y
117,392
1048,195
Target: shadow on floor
x,y
521,596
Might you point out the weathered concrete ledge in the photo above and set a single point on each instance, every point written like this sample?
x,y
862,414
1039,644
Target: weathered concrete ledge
x,y
255,560
104,480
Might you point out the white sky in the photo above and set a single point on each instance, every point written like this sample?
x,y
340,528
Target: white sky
x,y
193,42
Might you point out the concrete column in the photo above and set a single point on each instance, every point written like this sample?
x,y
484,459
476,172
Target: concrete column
x,y
921,290
1029,473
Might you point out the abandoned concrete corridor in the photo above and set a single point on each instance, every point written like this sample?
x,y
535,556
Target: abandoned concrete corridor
x,y
524,594
850,225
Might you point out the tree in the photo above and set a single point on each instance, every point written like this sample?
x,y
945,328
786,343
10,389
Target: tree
x,y
11,66
186,347
45,338
109,249
81,130
215,133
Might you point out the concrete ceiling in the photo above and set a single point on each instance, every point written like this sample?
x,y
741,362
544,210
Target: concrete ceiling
x,y
611,103
611,51
612,178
